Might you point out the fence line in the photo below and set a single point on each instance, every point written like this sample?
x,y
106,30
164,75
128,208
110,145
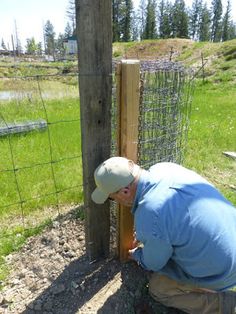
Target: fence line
x,y
14,171
16,168
163,122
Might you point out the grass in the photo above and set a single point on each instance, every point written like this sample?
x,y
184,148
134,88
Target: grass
x,y
42,159
10,68
40,171
48,164
213,131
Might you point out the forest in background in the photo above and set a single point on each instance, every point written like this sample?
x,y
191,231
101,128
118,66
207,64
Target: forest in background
x,y
151,19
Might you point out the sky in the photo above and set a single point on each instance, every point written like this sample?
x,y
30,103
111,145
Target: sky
x,y
29,16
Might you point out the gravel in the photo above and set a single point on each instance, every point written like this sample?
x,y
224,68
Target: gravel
x,y
52,274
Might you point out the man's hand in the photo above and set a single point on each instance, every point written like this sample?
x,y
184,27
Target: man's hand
x,y
130,255
135,241
133,246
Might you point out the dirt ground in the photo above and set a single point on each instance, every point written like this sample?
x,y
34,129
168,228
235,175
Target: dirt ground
x,y
51,274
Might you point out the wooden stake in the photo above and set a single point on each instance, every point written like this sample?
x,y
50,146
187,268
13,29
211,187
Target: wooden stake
x,y
128,97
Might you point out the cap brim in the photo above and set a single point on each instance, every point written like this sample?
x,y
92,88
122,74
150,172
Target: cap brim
x,y
99,196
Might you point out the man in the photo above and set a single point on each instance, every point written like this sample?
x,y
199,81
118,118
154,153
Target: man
x,y
187,230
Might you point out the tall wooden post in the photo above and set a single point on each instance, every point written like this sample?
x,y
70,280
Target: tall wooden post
x,y
94,35
128,98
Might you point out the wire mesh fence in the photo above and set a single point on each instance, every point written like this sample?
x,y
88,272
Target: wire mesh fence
x,y
40,139
164,110
165,104
40,160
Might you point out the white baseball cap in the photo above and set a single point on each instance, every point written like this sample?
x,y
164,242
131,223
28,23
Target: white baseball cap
x,y
112,175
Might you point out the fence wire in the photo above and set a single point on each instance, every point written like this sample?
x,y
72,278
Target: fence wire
x,y
165,104
164,111
40,142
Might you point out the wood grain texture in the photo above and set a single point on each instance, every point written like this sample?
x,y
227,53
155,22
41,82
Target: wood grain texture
x,y
94,34
128,140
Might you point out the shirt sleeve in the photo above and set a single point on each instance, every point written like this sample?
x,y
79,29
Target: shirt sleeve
x,y
154,254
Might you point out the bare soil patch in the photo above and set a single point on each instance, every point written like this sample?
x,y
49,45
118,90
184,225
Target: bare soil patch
x,y
52,274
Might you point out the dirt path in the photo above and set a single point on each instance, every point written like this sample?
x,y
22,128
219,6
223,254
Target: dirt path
x,y
51,274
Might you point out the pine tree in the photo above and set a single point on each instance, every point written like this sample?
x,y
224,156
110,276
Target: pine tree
x,y
70,12
49,36
3,45
68,31
122,19
31,46
127,20
194,19
161,18
150,25
226,23
116,8
179,20
40,49
135,26
60,45
232,30
216,20
142,17
164,19
204,24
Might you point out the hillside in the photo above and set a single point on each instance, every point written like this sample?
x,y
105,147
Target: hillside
x,y
219,58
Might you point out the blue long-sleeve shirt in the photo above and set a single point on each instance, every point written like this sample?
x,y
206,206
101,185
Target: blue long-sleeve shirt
x,y
188,229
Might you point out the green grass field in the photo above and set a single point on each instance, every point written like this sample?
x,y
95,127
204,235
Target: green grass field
x,y
213,131
44,161
40,171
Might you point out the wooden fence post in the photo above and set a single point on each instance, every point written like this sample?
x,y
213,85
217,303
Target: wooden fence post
x,y
94,26
128,93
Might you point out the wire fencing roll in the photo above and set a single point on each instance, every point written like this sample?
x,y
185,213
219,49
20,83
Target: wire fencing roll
x,y
166,90
164,111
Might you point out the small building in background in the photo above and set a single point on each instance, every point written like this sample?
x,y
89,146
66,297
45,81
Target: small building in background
x,y
70,45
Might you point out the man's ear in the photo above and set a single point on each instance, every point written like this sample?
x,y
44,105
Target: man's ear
x,y
125,190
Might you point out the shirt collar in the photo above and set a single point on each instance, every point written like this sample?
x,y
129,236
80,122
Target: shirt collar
x,y
140,187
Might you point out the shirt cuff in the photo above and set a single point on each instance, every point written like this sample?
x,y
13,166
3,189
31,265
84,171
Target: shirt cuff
x,y
136,254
